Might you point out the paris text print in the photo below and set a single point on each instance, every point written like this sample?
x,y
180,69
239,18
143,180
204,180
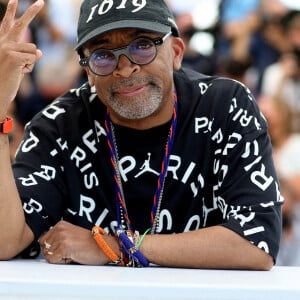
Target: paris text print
x,y
220,170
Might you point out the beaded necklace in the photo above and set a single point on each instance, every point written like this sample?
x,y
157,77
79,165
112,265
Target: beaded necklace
x,y
122,214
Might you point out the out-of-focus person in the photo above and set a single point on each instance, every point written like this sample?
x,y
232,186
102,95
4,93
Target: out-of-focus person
x,y
197,21
55,35
58,69
269,41
283,77
286,146
239,20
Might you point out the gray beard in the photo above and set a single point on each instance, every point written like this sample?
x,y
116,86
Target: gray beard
x,y
138,107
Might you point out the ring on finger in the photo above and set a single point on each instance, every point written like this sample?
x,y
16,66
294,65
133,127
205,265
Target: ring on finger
x,y
49,252
47,245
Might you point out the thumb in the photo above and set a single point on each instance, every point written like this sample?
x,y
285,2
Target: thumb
x,y
39,54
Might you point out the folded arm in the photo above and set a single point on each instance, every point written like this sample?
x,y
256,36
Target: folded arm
x,y
213,247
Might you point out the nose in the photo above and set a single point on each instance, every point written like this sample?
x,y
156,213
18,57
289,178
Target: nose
x,y
125,67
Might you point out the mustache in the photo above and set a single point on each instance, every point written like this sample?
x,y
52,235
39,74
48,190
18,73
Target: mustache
x,y
133,81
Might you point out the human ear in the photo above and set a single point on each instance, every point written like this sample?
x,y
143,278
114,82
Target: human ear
x,y
178,50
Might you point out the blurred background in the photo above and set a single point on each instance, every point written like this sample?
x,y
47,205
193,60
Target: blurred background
x,y
256,42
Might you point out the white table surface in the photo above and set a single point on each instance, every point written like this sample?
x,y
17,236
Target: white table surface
x,y
36,279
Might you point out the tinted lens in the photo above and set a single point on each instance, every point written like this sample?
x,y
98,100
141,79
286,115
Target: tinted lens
x,y
142,51
102,62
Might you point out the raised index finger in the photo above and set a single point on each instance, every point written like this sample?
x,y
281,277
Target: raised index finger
x,y
22,23
9,16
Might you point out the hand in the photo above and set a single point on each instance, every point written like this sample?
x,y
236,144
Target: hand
x,y
66,243
16,58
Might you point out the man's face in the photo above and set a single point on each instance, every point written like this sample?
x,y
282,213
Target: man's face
x,y
133,92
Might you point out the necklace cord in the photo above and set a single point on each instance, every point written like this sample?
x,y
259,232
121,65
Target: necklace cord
x,y
125,231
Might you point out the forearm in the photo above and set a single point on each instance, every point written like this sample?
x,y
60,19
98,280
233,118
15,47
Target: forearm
x,y
12,220
214,247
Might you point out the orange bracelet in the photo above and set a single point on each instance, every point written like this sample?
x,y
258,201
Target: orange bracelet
x,y
6,126
98,232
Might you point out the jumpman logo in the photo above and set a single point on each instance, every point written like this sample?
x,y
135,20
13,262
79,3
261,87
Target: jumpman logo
x,y
146,167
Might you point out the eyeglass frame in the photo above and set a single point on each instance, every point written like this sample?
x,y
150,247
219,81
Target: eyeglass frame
x,y
117,52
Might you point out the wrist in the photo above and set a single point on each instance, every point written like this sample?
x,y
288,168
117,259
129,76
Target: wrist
x,y
3,116
143,244
129,249
100,237
6,125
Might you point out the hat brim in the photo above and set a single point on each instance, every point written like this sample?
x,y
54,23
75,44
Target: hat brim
x,y
124,24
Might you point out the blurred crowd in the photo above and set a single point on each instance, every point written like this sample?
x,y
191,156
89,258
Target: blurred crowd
x,y
256,42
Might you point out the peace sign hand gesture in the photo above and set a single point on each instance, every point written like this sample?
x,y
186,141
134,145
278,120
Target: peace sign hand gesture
x,y
16,58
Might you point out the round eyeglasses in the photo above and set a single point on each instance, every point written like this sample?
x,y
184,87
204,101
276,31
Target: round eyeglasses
x,y
141,51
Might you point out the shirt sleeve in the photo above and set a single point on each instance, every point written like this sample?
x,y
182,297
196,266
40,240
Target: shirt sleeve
x,y
247,188
39,175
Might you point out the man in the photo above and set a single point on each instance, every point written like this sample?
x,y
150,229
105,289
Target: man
x,y
143,146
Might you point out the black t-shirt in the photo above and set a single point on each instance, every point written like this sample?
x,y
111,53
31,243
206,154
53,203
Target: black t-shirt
x,y
220,170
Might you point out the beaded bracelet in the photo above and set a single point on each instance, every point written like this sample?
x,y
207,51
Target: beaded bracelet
x,y
98,232
134,255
